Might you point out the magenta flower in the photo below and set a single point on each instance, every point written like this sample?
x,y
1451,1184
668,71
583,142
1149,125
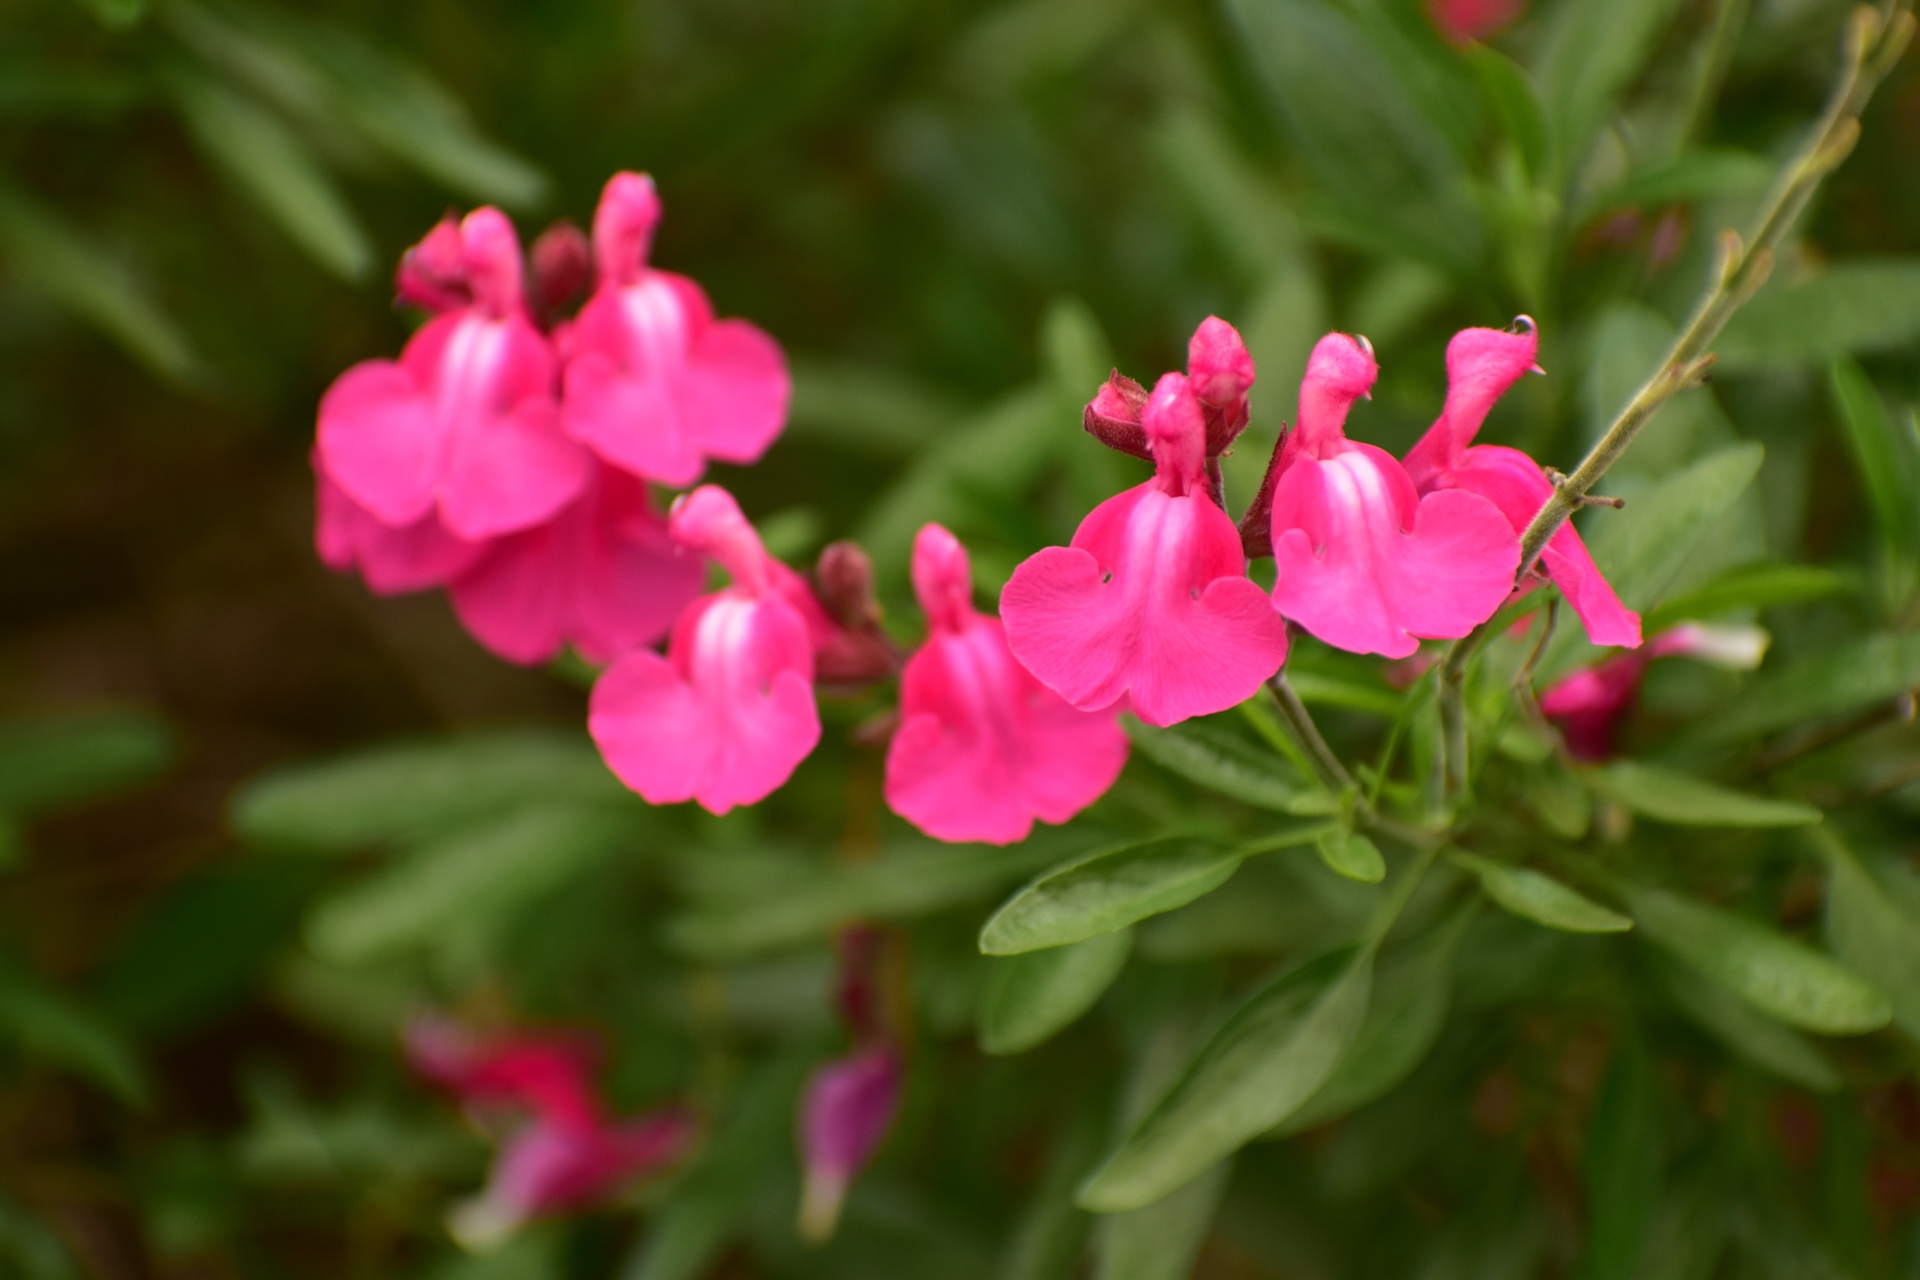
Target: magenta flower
x,y
465,423
549,1168
602,575
1362,561
653,382
1590,705
1466,21
728,714
983,748
1150,602
391,561
1481,365
848,1106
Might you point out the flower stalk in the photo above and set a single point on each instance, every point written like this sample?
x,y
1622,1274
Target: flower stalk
x,y
1874,40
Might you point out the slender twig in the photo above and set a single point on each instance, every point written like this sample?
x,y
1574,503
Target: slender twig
x,y
1332,774
1874,40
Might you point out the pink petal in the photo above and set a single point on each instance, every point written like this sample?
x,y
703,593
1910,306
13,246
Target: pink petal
x,y
623,226
1222,373
1481,365
725,718
391,561
847,1109
1149,603
433,273
623,397
602,575
735,392
380,442
509,464
1366,566
1514,482
1590,705
983,748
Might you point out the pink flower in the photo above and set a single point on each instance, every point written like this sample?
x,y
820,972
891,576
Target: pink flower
x,y
653,382
1362,561
548,1074
1150,602
1218,368
846,1110
1590,705
602,575
1481,365
549,1168
391,561
1465,21
728,714
465,423
983,748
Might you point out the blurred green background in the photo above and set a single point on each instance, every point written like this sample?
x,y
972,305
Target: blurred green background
x,y
955,217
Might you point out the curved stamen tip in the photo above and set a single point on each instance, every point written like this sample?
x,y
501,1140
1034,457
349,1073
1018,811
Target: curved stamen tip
x,y
1365,345
1523,322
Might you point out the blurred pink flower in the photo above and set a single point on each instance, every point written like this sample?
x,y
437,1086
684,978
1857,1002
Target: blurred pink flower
x,y
1481,365
1590,705
1465,21
1362,561
729,713
465,423
847,1109
983,748
602,575
1150,602
653,382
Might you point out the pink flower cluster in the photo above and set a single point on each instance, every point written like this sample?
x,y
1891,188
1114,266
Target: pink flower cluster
x,y
559,1150
512,464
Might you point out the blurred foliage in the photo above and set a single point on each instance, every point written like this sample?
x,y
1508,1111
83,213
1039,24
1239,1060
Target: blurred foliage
x,y
957,216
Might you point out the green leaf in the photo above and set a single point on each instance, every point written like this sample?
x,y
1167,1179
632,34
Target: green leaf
x,y
1876,668
1397,176
1405,1015
54,1028
464,879
1108,890
905,882
1323,689
1031,996
1266,1060
1642,550
1884,460
1352,855
49,762
412,790
1871,933
199,951
1509,91
1687,801
1760,1040
1220,761
1540,898
1563,806
1754,586
1161,1241
42,248
1594,50
1705,174
270,163
1776,975
1623,1169
1852,307
117,14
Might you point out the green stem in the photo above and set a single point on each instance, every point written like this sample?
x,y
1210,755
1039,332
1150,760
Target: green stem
x,y
1332,774
1874,40
1398,896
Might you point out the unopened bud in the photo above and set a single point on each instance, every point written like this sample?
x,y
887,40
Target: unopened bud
x,y
843,580
562,266
433,273
1113,416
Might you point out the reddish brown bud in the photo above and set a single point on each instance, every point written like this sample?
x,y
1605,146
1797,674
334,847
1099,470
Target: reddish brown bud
x,y
843,580
1113,416
1256,526
562,267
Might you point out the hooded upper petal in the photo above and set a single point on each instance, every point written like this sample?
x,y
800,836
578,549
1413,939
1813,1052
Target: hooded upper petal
x,y
653,383
1151,601
728,714
983,748
465,421
1481,365
603,576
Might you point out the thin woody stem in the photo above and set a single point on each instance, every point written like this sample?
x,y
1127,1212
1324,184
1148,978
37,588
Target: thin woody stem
x,y
1875,38
1332,774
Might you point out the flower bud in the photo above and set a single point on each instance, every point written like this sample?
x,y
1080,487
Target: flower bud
x,y
1113,416
843,580
562,268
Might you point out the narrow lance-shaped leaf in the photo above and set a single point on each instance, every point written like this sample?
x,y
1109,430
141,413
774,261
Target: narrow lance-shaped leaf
x,y
1033,995
1352,855
1775,974
59,760
1753,1036
1756,586
1886,466
52,1027
1108,890
1542,899
1871,932
1623,1168
1265,1061
1855,306
1687,801
1161,1241
1221,762
270,163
